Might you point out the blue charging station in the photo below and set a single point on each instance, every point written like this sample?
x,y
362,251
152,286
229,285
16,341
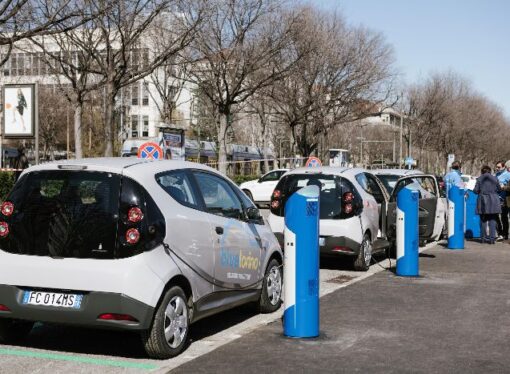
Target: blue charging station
x,y
407,233
456,213
472,219
301,260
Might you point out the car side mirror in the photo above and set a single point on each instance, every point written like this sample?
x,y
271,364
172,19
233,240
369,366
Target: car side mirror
x,y
253,214
259,180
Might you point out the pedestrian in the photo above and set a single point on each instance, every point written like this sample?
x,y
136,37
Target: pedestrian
x,y
503,175
21,162
453,177
487,205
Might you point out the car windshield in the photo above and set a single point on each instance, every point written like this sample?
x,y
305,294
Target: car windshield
x,y
64,214
332,189
389,181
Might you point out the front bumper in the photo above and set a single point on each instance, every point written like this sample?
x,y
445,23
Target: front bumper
x,y
93,304
333,245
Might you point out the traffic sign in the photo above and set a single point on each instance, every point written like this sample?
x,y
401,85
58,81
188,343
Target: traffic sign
x,y
150,151
313,162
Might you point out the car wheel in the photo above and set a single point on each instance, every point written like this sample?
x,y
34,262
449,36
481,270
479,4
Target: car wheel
x,y
362,262
12,331
248,193
271,295
168,335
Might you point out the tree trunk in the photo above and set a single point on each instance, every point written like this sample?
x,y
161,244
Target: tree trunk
x,y
78,110
109,120
222,144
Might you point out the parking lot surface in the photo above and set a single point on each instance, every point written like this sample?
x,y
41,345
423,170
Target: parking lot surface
x,y
452,319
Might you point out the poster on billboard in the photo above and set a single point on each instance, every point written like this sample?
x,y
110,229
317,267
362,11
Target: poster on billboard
x,y
173,144
19,111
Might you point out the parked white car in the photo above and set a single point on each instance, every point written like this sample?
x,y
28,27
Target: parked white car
x,y
131,244
260,190
469,181
357,215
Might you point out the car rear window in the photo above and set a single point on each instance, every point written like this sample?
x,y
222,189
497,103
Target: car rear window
x,y
332,189
64,214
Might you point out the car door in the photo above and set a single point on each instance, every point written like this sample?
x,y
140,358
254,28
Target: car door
x,y
237,247
266,184
430,206
197,247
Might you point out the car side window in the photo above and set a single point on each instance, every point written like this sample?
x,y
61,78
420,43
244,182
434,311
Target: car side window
x,y
177,184
271,177
218,195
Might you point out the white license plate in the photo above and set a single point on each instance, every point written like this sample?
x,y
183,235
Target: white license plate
x,y
322,242
62,300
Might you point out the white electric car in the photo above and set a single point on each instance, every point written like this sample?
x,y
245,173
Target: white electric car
x,y
130,244
357,215
260,190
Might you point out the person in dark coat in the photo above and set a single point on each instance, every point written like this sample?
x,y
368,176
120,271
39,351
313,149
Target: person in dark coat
x,y
487,205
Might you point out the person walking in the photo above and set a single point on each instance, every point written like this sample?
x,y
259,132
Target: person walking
x,y
487,205
503,175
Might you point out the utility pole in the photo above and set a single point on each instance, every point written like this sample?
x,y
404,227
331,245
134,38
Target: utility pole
x,y
400,154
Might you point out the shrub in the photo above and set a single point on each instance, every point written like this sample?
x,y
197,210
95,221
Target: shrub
x,y
238,179
6,183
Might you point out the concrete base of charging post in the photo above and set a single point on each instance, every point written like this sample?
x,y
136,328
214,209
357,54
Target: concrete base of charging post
x,y
407,233
456,213
472,219
301,264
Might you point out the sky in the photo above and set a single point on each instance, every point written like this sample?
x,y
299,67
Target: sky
x,y
468,36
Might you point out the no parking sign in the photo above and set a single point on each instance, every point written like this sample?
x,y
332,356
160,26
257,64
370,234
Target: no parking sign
x,y
313,162
150,151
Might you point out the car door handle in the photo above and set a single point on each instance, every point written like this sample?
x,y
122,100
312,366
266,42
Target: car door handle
x,y
219,230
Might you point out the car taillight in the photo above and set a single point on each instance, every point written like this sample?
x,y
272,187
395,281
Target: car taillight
x,y
277,194
275,204
7,208
132,236
3,308
348,208
348,197
135,215
117,317
4,229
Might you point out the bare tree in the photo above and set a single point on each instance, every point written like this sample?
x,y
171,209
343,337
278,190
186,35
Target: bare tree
x,y
124,56
22,19
341,80
239,51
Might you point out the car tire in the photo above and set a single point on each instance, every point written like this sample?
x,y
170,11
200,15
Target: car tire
x,y
12,331
271,294
362,262
172,315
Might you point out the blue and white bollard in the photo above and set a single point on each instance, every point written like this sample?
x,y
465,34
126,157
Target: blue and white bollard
x,y
301,260
456,218
407,233
472,219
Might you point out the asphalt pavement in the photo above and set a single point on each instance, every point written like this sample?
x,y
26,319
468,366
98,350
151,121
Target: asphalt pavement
x,y
454,318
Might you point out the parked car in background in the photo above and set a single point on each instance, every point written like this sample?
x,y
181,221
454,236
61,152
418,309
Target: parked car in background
x,y
469,181
260,190
131,244
357,215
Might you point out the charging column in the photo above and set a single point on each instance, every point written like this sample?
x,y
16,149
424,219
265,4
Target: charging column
x,y
407,233
472,219
456,218
301,261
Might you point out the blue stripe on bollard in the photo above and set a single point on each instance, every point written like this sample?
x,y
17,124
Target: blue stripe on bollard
x,y
407,233
456,218
472,219
301,272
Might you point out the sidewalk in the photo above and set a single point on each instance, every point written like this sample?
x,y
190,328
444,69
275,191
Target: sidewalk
x,y
455,318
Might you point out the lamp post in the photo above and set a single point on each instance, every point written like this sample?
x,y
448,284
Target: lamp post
x,y
280,142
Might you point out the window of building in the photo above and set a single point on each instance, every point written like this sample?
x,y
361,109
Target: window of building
x,y
134,126
135,89
145,130
145,93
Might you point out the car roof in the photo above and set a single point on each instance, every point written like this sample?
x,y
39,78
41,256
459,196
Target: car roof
x,y
119,165
398,172
332,170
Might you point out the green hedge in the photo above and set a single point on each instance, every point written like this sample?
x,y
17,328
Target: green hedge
x,y
238,179
6,183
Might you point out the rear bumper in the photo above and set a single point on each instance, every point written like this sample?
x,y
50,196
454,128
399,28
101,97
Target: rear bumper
x,y
93,304
333,245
